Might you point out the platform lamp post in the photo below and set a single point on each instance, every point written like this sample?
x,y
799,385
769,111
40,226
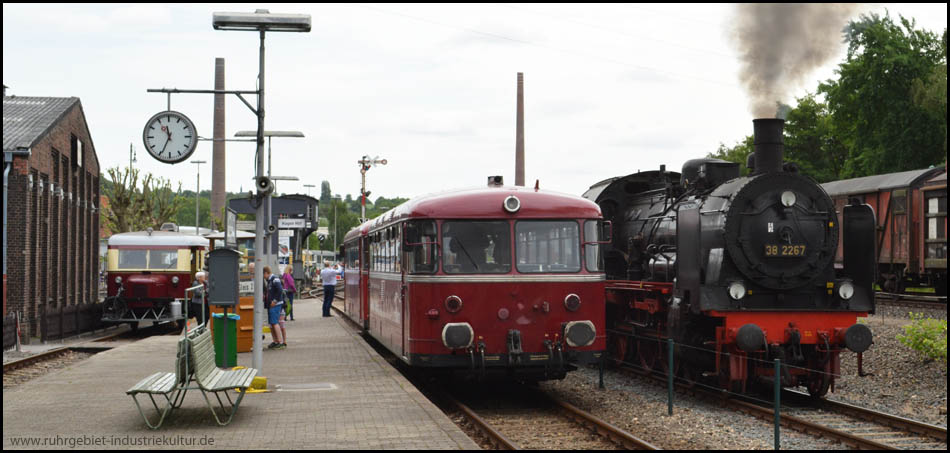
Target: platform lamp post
x,y
197,190
268,251
365,164
309,186
261,21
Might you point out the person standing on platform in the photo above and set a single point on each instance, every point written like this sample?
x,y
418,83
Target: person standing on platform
x,y
328,275
198,308
291,290
274,301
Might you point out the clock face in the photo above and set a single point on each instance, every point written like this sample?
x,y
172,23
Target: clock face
x,y
170,137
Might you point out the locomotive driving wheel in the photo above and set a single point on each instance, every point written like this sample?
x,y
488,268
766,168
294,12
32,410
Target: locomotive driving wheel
x,y
649,352
818,384
619,349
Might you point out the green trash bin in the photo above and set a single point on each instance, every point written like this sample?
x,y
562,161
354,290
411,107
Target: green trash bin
x,y
225,331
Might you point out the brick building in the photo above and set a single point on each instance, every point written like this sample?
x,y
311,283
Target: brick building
x,y
51,223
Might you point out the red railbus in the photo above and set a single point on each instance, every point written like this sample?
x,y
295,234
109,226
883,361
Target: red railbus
x,y
489,282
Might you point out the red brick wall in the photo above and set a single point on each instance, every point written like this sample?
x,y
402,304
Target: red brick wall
x,y
52,256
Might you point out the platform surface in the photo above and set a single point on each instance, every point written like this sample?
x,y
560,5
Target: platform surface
x,y
330,390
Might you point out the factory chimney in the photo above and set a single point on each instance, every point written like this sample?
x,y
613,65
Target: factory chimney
x,y
218,158
519,135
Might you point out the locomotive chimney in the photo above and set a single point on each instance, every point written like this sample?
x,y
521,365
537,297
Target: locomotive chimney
x,y
769,145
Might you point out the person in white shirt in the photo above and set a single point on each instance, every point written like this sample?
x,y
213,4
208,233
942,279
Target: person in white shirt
x,y
328,275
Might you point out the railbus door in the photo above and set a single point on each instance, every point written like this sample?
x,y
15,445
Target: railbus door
x,y
364,281
403,289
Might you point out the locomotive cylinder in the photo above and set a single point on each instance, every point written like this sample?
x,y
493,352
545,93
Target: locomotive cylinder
x,y
769,145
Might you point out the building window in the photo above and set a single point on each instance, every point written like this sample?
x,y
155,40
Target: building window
x,y
76,150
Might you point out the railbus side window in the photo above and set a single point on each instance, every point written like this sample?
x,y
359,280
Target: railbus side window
x,y
422,257
593,253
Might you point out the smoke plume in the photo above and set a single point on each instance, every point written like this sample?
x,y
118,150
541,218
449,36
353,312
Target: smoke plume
x,y
781,43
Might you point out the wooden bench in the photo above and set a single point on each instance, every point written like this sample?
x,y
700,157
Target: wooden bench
x,y
164,384
211,379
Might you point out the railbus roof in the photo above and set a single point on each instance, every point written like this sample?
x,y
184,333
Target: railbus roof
x,y
157,238
485,203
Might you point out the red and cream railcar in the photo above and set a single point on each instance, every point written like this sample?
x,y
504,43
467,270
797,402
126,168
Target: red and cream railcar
x,y
497,281
149,270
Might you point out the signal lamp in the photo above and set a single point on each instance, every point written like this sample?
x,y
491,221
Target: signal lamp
x,y
453,304
572,302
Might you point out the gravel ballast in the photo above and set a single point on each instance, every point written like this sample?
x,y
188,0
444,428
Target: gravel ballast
x,y
903,381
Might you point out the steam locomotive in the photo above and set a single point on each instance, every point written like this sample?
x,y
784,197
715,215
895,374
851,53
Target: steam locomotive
x,y
738,271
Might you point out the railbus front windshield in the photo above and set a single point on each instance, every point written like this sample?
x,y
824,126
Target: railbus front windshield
x,y
548,246
137,259
476,247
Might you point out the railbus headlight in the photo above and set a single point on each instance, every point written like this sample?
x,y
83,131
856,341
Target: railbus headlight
x,y
512,204
175,280
737,290
118,279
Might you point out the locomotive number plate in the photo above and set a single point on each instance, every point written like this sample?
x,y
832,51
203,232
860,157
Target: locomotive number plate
x,y
779,250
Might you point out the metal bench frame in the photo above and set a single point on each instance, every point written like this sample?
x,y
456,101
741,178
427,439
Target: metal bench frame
x,y
158,384
211,379
195,362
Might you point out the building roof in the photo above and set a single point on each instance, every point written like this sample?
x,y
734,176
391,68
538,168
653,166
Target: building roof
x,y
877,183
28,119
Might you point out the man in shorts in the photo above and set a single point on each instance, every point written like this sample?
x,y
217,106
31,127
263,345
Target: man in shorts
x,y
274,301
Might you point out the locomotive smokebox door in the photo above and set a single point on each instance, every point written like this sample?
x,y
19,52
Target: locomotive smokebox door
x,y
223,277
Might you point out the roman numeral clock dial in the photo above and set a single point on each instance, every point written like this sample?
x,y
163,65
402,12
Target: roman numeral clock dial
x,y
170,137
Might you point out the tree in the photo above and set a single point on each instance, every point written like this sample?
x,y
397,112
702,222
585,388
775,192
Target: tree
x,y
811,141
325,194
872,106
931,95
738,153
134,209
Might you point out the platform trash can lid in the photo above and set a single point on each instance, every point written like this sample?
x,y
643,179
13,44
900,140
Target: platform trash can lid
x,y
231,316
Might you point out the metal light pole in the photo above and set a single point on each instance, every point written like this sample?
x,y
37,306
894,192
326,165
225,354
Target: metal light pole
x,y
334,221
268,251
309,186
197,191
261,21
365,164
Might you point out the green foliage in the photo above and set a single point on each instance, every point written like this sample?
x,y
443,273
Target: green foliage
x,y
872,105
738,153
132,207
927,336
812,142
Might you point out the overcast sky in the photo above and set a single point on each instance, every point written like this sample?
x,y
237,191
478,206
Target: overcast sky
x,y
609,89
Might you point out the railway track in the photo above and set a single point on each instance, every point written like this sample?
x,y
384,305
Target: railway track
x,y
84,347
857,427
516,417
911,300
